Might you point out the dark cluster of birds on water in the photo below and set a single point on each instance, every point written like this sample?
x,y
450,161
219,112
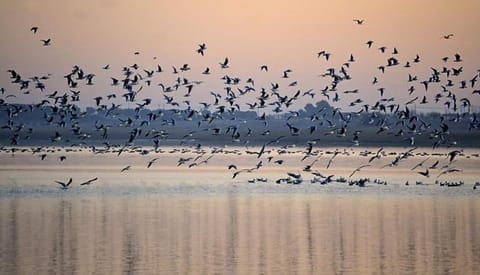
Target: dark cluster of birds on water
x,y
447,86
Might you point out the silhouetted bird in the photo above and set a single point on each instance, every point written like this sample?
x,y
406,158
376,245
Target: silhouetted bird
x,y
64,185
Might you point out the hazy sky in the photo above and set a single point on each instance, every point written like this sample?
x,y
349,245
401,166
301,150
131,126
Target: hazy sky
x,y
281,34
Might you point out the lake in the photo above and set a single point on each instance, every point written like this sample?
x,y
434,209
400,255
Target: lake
x,y
173,219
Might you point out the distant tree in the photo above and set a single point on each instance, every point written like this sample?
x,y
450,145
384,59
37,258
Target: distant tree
x,y
309,109
323,104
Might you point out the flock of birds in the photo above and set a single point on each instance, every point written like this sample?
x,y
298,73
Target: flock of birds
x,y
447,86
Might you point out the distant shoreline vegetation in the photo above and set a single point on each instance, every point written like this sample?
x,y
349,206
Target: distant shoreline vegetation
x,y
320,124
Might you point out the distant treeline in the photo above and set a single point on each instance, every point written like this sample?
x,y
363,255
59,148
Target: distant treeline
x,y
319,123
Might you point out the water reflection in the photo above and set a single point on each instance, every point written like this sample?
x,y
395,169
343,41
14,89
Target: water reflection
x,y
240,234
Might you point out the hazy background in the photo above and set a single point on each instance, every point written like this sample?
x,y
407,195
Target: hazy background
x,y
281,34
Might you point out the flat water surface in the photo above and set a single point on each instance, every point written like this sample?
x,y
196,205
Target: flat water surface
x,y
177,220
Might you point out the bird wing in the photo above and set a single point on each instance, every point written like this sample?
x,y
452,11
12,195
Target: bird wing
x,y
262,150
89,181
69,182
61,183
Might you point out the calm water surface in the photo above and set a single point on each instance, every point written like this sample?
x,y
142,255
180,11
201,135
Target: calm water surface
x,y
176,220
242,234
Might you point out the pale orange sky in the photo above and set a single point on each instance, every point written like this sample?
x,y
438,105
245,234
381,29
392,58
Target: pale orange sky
x,y
281,34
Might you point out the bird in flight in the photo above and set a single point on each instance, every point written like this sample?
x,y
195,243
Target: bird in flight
x,y
425,174
450,170
46,42
453,154
324,53
63,184
448,36
89,181
359,21
34,29
202,48
224,65
358,169
377,155
150,163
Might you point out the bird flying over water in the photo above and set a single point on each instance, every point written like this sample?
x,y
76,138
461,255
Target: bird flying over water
x,y
377,155
453,154
150,163
64,185
224,113
89,181
425,174
358,169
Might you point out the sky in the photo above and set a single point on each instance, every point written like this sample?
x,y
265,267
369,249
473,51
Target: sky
x,y
281,34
